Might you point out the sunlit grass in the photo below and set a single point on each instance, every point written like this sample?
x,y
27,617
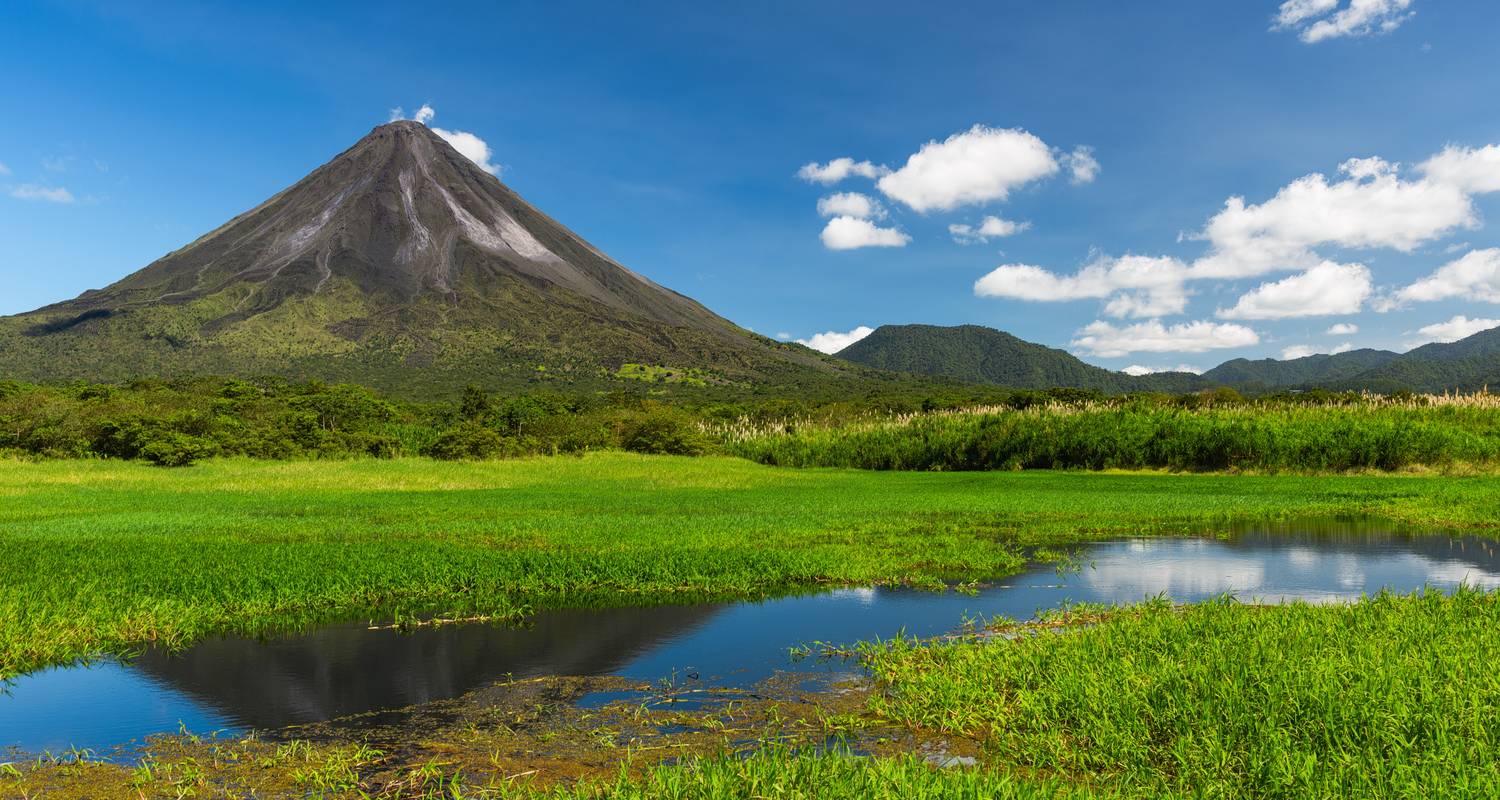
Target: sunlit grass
x,y
99,556
1389,697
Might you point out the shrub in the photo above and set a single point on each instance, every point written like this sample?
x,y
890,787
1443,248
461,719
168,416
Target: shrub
x,y
467,441
663,431
173,449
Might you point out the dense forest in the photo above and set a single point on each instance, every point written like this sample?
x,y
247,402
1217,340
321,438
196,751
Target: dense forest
x,y
177,422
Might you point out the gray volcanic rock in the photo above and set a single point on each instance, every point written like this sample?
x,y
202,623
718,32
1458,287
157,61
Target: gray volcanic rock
x,y
400,252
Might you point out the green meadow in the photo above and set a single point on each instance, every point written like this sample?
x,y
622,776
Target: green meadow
x,y
1389,697
102,556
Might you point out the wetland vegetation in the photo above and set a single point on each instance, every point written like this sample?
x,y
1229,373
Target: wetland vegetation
x,y
97,556
541,504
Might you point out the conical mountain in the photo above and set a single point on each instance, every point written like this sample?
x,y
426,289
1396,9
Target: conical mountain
x,y
401,264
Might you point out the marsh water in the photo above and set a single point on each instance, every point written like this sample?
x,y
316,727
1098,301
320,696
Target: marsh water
x,y
236,684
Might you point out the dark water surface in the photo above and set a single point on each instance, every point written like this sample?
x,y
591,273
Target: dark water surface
x,y
234,684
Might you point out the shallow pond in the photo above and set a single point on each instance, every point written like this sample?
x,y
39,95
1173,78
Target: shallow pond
x,y
234,684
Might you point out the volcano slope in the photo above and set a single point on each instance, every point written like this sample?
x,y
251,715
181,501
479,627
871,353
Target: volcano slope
x,y
402,265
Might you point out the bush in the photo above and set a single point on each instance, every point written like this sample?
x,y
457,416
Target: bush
x,y
468,441
173,449
664,432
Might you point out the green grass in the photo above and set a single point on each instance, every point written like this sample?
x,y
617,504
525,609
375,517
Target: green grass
x,y
1269,437
1388,697
780,773
97,556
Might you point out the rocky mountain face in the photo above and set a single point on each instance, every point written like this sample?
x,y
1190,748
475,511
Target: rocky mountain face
x,y
399,263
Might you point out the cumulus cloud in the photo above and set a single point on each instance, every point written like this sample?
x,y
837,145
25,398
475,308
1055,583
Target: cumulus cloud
x,y
1297,351
976,166
838,169
1082,166
1459,327
1473,170
990,227
1371,203
1475,276
1372,207
849,233
1138,370
1107,340
33,191
851,204
1328,289
1319,20
833,341
1342,329
1138,286
471,146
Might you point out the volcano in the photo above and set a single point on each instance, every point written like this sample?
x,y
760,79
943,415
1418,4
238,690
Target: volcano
x,y
402,265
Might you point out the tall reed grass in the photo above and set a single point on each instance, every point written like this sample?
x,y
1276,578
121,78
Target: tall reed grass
x,y
1372,434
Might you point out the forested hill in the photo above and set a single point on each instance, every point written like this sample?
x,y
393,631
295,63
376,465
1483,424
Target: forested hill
x,y
979,354
1320,369
1466,365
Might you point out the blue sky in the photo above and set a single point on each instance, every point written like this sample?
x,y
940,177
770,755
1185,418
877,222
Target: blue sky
x,y
672,136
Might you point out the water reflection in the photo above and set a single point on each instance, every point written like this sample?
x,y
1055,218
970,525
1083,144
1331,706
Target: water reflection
x,y
237,683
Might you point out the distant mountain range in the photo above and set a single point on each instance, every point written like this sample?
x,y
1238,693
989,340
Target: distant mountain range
x,y
984,355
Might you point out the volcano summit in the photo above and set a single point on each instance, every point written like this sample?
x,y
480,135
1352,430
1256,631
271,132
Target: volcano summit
x,y
399,264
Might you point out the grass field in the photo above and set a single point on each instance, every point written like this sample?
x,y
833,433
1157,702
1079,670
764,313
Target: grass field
x,y
1340,435
98,556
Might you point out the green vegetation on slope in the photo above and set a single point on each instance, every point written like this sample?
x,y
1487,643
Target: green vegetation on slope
x,y
1315,370
1145,433
96,556
978,354
1388,697
984,355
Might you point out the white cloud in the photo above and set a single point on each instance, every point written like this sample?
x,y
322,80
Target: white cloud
x,y
783,336
975,166
1328,289
833,341
1473,170
1372,207
851,204
1082,165
1375,204
1474,276
1460,327
32,191
1138,286
1107,340
849,233
839,169
1342,329
470,146
990,227
1297,351
1139,369
1318,20
4,170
